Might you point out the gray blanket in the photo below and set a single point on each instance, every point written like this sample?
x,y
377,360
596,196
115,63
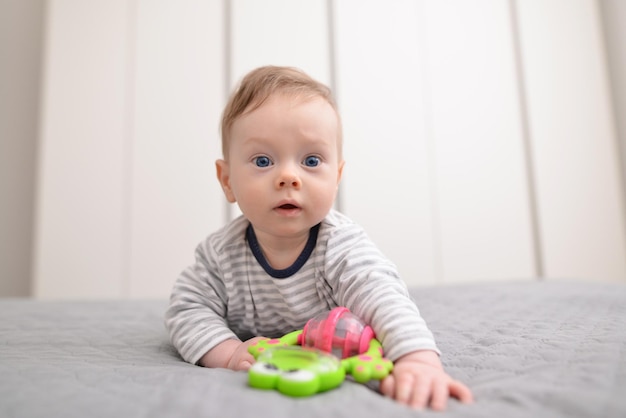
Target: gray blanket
x,y
532,349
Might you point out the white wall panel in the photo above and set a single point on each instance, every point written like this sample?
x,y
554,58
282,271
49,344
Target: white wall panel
x,y
178,97
580,201
380,83
80,212
280,32
435,164
435,145
613,14
21,47
478,151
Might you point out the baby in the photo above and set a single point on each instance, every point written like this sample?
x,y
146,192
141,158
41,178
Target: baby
x,y
291,256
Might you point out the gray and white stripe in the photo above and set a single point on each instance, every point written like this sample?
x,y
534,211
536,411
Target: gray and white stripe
x,y
226,294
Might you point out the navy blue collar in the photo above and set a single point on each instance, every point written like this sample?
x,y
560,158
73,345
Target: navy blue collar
x,y
291,270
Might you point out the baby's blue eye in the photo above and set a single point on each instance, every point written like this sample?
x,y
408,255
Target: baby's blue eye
x,y
312,161
262,161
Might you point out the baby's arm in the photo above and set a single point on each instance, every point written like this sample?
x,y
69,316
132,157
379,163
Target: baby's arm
x,y
419,380
230,354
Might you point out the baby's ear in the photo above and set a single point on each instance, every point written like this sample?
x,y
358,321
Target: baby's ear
x,y
223,175
342,163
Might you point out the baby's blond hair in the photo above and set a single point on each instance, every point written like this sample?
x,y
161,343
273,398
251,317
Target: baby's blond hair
x,y
260,84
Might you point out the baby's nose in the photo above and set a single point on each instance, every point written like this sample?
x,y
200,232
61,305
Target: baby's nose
x,y
288,178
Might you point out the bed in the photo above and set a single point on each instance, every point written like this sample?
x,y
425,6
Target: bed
x,y
527,349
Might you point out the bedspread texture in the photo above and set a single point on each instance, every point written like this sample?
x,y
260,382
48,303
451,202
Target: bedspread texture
x,y
527,349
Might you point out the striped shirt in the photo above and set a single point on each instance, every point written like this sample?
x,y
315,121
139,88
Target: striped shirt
x,y
231,292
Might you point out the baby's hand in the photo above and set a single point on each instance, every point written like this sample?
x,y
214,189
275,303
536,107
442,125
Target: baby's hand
x,y
231,354
418,380
241,358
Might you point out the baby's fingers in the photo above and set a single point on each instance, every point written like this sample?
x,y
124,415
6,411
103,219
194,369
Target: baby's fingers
x,y
460,391
439,396
387,386
407,389
408,392
241,363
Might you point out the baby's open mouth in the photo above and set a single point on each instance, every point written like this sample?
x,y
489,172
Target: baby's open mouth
x,y
288,206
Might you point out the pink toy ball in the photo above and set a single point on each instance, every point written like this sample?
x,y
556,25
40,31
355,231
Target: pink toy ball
x,y
338,332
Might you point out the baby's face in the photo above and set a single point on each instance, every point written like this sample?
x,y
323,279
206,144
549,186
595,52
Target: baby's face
x,y
283,166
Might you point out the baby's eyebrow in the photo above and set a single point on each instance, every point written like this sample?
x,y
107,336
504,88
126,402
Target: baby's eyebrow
x,y
255,141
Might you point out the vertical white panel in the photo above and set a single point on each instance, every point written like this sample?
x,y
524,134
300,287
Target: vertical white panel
x,y
476,127
280,32
80,198
581,205
179,94
613,14
21,47
380,84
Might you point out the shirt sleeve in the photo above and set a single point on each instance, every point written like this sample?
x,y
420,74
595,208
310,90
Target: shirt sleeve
x,y
195,318
368,284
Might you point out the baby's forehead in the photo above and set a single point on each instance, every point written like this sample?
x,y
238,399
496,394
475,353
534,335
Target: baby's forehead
x,y
266,109
290,97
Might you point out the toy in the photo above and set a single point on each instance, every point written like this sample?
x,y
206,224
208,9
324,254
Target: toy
x,y
318,357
